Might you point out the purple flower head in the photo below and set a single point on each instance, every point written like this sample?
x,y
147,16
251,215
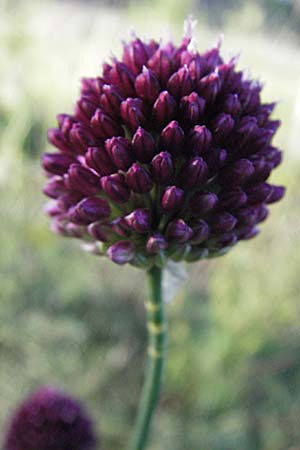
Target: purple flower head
x,y
50,420
168,153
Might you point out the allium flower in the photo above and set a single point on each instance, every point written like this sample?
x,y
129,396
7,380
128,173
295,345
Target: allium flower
x,y
50,420
166,155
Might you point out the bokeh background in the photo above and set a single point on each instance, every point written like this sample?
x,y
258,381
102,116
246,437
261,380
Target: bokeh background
x,y
233,377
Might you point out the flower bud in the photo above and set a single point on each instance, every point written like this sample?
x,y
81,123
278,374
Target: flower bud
x,y
194,173
54,187
161,65
178,231
98,159
180,83
222,126
263,113
104,127
172,199
57,163
156,243
226,240
262,213
80,138
232,105
69,199
200,232
89,210
135,55
191,108
91,88
123,78
139,179
56,138
215,159
223,222
276,194
144,145
132,113
122,252
247,216
111,100
147,86
164,109
172,137
199,140
139,220
115,187
84,110
120,151
162,168
98,231
202,203
247,232
236,173
209,87
232,199
82,180
121,227
53,209
259,193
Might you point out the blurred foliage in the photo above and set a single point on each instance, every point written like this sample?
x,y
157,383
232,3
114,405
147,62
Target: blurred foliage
x,y
232,380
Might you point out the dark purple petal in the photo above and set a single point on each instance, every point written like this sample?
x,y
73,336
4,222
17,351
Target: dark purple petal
x,y
223,222
104,127
172,199
164,109
147,86
172,138
202,203
162,168
194,173
115,187
180,83
144,145
120,152
82,180
57,163
139,179
98,159
199,140
133,113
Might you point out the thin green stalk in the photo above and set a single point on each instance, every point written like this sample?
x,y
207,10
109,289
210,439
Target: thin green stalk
x,y
156,325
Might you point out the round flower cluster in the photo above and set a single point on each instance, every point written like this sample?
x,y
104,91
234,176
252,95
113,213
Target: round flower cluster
x,y
50,420
166,156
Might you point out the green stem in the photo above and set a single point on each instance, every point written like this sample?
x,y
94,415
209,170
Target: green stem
x,y
156,351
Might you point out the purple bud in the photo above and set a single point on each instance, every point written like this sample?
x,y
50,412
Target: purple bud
x,y
194,173
133,113
247,232
135,55
201,232
247,216
69,199
162,168
91,88
161,65
191,108
178,231
143,145
75,230
232,105
172,199
98,159
276,194
104,127
202,203
226,240
123,78
209,87
139,179
54,187
236,173
82,180
212,58
164,109
156,243
52,209
263,113
147,86
250,98
139,220
115,187
180,83
262,213
111,100
89,210
120,151
232,199
122,252
259,193
215,159
57,163
56,138
98,231
84,110
172,137
199,140
121,227
223,222
221,126
262,169
80,138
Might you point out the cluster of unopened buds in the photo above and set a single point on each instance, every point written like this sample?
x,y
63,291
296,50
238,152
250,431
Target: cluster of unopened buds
x,y
166,156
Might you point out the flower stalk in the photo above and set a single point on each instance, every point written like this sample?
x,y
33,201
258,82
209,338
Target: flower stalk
x,y
157,335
